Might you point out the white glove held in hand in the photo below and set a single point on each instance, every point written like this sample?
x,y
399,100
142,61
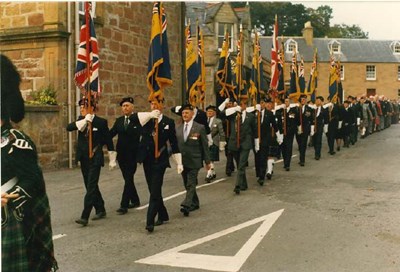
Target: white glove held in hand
x,y
238,108
222,146
326,128
155,114
358,121
178,160
312,130
223,104
258,107
81,124
177,108
279,137
145,117
113,160
299,130
89,117
340,125
257,144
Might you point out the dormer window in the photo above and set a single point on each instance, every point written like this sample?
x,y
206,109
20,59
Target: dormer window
x,y
291,46
221,35
395,47
334,47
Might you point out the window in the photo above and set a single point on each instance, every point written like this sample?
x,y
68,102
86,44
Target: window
x,y
81,6
334,47
371,92
221,35
371,72
395,46
341,72
398,72
291,46
398,93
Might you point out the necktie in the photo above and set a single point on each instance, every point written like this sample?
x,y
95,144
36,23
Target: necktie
x,y
185,132
126,122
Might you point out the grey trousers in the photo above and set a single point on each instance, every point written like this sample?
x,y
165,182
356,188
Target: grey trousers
x,y
241,157
189,176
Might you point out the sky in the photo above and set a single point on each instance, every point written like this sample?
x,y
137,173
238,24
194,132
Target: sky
x,y
379,18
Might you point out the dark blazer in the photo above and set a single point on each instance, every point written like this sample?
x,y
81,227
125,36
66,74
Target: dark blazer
x,y
100,137
306,118
248,132
166,133
320,120
290,118
128,139
195,149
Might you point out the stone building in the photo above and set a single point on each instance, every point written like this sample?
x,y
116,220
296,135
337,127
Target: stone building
x,y
41,39
369,67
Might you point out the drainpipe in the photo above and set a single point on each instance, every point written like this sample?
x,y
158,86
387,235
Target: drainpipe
x,y
183,52
69,61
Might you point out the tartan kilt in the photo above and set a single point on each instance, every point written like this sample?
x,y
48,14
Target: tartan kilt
x,y
214,153
14,256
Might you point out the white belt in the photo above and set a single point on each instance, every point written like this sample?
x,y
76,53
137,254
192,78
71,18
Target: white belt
x,y
9,184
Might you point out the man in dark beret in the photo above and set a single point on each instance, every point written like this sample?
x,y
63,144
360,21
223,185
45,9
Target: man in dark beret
x,y
306,118
127,146
26,234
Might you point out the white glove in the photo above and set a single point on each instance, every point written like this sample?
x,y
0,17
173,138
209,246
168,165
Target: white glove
x,y
113,160
279,137
177,108
299,130
312,130
340,125
178,160
258,107
144,117
238,108
326,128
210,140
89,117
223,105
81,124
257,144
222,146
250,109
232,110
358,121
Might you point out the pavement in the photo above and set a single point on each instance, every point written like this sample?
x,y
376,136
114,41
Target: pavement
x,y
336,214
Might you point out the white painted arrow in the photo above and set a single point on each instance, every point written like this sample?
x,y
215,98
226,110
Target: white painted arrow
x,y
174,257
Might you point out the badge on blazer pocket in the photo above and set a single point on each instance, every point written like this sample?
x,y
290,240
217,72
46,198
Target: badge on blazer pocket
x,y
166,127
95,129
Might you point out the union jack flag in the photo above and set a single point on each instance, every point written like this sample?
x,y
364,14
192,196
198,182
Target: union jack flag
x,y
88,56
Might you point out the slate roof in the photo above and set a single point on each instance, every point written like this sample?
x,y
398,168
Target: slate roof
x,y
352,50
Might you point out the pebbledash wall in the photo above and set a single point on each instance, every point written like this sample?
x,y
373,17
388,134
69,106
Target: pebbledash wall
x,y
38,37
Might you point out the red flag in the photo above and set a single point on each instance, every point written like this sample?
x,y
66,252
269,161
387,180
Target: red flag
x,y
274,58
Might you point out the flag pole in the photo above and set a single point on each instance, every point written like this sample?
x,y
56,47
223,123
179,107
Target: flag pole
x,y
88,92
259,84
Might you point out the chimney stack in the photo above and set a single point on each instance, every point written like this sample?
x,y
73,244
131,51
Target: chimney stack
x,y
308,33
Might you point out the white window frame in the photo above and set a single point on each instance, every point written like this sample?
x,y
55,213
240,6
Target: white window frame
x,y
368,73
341,72
231,36
398,72
395,47
290,45
81,7
334,44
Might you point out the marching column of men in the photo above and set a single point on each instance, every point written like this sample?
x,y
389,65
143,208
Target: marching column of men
x,y
150,138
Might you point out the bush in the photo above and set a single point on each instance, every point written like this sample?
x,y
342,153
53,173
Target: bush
x,y
44,96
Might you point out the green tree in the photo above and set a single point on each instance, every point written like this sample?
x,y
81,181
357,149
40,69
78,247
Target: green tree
x,y
320,20
347,31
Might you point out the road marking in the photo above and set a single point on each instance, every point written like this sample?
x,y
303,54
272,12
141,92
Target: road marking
x,y
173,257
281,160
183,192
58,236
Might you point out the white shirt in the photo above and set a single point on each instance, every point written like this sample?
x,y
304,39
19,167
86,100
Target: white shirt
x,y
187,129
243,116
211,121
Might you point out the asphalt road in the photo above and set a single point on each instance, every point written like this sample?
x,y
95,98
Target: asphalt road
x,y
340,213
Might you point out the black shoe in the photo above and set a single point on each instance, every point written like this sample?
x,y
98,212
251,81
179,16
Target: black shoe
x,y
185,211
269,176
301,163
159,222
260,181
82,222
150,228
99,215
332,152
338,148
122,211
193,208
317,158
228,173
287,168
237,190
133,205
243,188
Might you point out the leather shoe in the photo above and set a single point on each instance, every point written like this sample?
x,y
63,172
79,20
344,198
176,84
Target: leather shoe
x,y
237,190
99,216
133,205
193,208
332,152
269,176
301,163
287,168
317,158
228,173
185,211
82,222
122,211
150,228
260,181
